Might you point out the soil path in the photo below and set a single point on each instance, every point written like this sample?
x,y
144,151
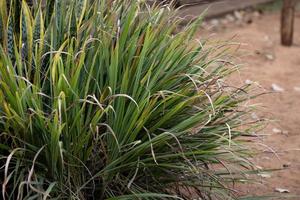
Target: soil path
x,y
267,63
217,8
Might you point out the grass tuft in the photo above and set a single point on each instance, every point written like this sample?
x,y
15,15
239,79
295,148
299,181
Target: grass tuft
x,y
100,99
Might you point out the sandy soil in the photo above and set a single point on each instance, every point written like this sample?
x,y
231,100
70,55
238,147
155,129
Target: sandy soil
x,y
267,63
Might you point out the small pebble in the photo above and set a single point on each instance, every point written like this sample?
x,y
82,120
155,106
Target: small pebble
x,y
215,22
286,165
276,130
230,18
248,82
285,133
238,15
254,116
264,175
277,88
297,89
270,56
282,190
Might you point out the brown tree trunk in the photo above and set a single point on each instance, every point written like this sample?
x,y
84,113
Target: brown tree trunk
x,y
287,22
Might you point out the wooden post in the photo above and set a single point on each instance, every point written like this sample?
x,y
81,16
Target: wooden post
x,y
287,22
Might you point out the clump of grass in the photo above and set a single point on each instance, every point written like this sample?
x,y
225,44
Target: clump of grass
x,y
100,99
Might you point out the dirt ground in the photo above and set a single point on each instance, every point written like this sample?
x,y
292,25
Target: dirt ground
x,y
267,63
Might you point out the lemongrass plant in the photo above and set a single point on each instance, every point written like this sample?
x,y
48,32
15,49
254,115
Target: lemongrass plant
x,y
100,99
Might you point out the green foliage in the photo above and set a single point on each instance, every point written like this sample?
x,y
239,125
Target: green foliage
x,y
100,99
273,6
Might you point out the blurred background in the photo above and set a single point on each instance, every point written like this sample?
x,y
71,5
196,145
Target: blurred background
x,y
265,38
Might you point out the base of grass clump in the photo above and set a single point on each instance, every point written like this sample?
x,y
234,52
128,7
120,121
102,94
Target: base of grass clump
x,y
101,100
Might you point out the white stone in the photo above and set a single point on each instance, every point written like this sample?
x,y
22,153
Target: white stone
x,y
277,88
276,130
282,190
